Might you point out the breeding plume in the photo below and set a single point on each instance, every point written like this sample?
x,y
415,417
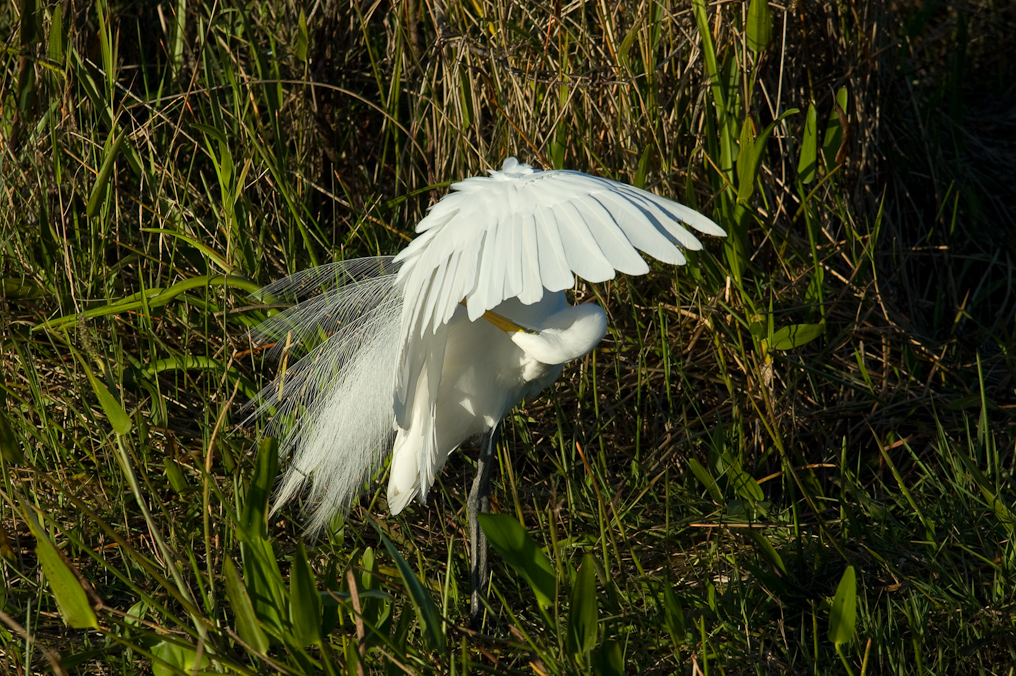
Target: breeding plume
x,y
411,356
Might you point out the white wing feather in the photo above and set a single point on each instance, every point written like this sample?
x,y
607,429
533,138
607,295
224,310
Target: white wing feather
x,y
519,232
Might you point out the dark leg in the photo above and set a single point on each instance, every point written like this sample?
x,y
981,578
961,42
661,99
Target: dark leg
x,y
479,502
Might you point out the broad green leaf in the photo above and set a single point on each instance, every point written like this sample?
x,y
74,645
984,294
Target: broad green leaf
x,y
352,656
118,418
745,485
177,480
559,145
746,162
749,159
673,615
582,615
608,660
843,613
759,29
795,335
809,147
326,597
643,170
521,552
225,166
557,150
56,36
426,611
759,329
264,583
768,550
183,362
706,479
10,448
626,44
31,23
243,610
813,294
304,602
374,604
153,298
260,567
368,566
834,133
208,130
136,613
173,658
27,87
14,288
70,595
254,515
302,39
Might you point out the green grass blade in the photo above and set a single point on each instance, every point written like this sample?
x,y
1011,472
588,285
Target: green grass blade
x,y
706,479
102,177
245,620
10,447
673,616
796,335
843,614
261,568
304,602
608,660
582,615
759,27
71,598
115,413
808,162
427,614
835,132
520,551
172,659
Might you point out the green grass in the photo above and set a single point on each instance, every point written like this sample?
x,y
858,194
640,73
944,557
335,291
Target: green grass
x,y
827,396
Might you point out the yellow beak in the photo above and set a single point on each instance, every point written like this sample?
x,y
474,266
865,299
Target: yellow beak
x,y
505,324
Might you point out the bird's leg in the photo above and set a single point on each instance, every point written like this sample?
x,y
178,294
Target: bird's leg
x,y
479,502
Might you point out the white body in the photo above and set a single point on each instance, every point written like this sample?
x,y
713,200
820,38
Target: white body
x,y
416,363
484,374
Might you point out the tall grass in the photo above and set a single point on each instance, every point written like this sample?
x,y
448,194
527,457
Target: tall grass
x,y
794,455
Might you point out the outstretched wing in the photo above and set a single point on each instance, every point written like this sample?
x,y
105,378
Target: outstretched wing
x,y
521,231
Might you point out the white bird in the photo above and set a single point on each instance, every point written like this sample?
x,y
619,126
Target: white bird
x,y
412,356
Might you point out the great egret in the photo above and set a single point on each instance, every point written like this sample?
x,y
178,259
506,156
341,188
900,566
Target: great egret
x,y
438,344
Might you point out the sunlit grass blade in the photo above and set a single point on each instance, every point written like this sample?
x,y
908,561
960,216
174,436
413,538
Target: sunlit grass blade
x,y
431,623
582,611
304,604
71,597
246,622
517,547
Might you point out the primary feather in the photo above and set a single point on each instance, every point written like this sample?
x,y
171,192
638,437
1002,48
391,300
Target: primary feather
x,y
399,360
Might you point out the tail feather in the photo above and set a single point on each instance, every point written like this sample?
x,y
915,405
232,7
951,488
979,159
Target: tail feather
x,y
332,410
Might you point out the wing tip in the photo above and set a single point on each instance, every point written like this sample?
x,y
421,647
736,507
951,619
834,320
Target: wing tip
x,y
699,221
